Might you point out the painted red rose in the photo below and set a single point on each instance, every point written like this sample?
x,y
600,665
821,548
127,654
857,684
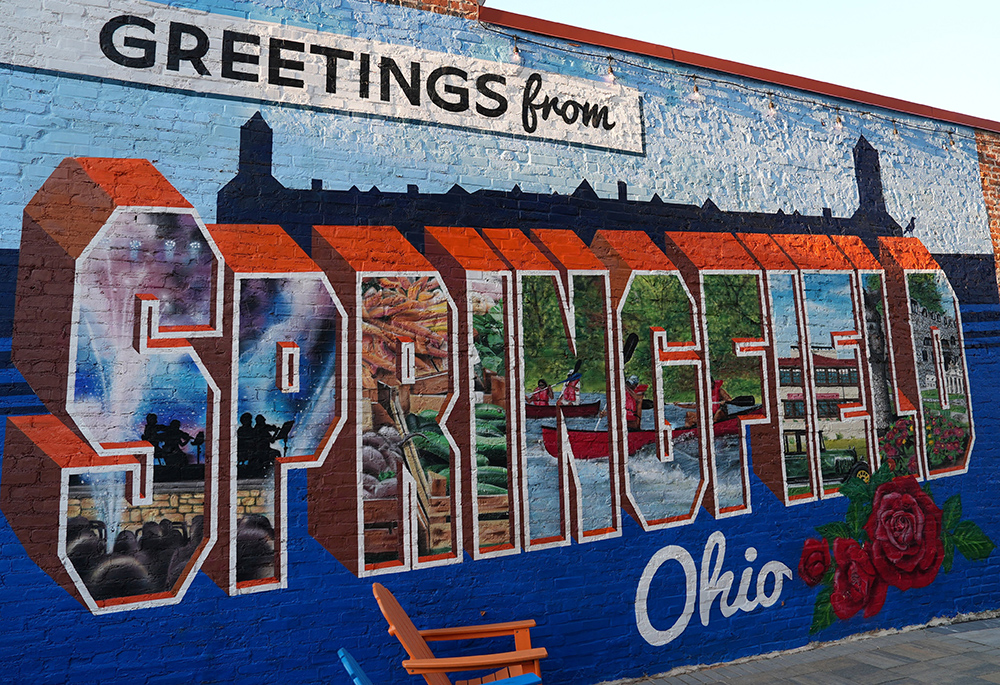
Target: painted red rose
x,y
905,532
856,585
815,561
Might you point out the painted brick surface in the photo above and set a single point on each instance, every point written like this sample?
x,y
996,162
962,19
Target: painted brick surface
x,y
298,299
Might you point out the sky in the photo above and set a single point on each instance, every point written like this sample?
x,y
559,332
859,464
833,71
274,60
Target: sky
x,y
931,53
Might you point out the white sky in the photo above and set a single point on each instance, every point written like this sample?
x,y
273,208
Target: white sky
x,y
932,53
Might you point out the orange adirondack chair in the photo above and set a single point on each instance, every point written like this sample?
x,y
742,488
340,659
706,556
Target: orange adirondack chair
x,y
434,670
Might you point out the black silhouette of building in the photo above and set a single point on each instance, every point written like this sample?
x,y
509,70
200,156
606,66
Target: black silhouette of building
x,y
255,196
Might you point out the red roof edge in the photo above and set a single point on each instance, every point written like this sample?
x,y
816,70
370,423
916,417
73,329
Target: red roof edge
x,y
554,29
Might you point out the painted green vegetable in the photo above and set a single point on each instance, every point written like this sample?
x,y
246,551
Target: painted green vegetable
x,y
494,449
487,489
494,475
490,412
433,446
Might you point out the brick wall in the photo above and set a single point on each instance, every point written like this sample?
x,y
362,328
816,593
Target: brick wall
x,y
460,8
988,145
271,168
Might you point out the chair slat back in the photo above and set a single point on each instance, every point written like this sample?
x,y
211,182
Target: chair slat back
x,y
351,666
402,627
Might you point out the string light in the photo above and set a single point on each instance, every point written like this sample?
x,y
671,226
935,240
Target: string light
x,y
515,55
838,124
726,82
610,78
772,111
695,96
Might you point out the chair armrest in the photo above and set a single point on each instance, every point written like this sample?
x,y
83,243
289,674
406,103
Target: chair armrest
x,y
470,632
473,663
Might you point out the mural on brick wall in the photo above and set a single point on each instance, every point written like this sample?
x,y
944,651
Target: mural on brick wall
x,y
497,391
302,300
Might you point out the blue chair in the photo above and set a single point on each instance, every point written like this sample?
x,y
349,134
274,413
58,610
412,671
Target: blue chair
x,y
353,670
359,677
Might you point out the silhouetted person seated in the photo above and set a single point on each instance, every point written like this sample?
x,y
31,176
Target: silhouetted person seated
x,y
126,543
152,433
85,552
254,454
182,555
174,440
254,548
120,576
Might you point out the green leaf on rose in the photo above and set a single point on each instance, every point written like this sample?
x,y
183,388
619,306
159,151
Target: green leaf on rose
x,y
832,531
972,542
952,512
823,616
927,489
857,516
883,474
949,552
856,490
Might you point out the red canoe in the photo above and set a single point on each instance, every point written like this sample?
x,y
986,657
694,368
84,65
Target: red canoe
x,y
548,411
594,444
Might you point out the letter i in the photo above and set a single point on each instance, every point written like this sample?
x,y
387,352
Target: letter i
x,y
364,80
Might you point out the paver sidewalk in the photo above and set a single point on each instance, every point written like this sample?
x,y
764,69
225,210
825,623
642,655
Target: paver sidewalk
x,y
957,653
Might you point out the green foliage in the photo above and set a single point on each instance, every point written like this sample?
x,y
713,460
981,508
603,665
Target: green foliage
x,y
832,531
949,552
857,517
547,353
952,512
823,616
857,491
972,542
873,284
654,301
733,306
488,337
924,290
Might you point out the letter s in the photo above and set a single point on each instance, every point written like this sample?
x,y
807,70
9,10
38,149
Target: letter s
x,y
483,86
148,47
655,637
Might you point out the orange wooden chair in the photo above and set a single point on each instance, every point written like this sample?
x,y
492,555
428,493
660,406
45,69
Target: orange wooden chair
x,y
516,665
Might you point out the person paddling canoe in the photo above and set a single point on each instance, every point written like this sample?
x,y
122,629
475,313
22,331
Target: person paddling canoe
x,y
542,394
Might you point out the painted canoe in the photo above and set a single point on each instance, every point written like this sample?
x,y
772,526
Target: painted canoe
x,y
548,411
594,444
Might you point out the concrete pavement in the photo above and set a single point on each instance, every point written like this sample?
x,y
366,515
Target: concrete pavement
x,y
967,652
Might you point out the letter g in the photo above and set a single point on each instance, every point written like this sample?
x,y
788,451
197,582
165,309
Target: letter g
x,y
650,634
148,47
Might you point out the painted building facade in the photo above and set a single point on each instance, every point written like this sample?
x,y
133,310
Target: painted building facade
x,y
517,320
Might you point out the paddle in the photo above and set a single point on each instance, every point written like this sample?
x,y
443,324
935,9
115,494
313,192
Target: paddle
x,y
631,342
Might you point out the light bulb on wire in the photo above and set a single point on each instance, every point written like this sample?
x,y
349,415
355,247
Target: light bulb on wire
x,y
772,111
515,54
696,96
609,77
